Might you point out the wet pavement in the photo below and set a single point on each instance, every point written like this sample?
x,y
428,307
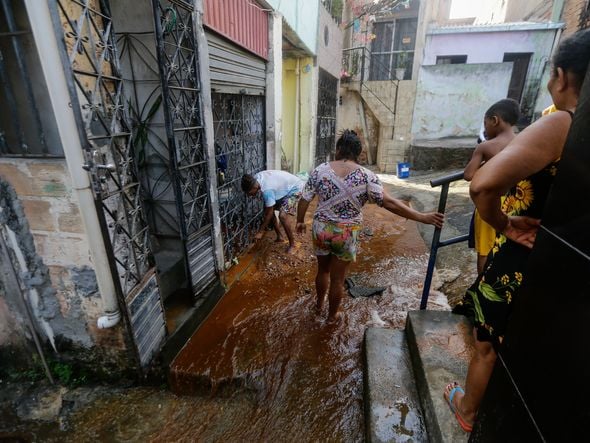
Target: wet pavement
x,y
264,366
265,338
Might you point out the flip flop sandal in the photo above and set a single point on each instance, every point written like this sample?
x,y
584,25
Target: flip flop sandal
x,y
464,425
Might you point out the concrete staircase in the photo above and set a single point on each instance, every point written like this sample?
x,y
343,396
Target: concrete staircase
x,y
406,373
379,96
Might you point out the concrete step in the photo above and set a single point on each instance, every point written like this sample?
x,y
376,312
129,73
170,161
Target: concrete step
x,y
392,407
447,153
440,345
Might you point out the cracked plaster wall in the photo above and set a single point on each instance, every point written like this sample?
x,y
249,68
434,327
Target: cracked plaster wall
x,y
53,264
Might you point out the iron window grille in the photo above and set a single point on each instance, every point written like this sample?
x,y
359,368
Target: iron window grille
x,y
240,148
26,129
326,117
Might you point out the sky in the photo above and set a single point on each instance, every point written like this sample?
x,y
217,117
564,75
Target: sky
x,y
465,8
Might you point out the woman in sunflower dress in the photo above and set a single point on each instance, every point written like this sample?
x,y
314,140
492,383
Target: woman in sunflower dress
x,y
523,172
488,301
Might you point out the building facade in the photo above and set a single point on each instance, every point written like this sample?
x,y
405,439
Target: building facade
x,y
132,124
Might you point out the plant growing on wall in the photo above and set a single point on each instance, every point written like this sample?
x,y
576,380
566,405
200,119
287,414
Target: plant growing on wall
x,y
402,62
362,10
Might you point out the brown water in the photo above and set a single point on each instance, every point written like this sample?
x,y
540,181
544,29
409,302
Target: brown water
x,y
304,377
264,366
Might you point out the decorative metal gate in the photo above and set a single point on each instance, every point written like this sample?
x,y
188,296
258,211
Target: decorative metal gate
x,y
96,93
178,64
239,149
326,115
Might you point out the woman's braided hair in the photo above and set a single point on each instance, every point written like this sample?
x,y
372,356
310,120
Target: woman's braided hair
x,y
349,145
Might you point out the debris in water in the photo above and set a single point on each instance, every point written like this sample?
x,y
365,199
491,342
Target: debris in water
x,y
376,320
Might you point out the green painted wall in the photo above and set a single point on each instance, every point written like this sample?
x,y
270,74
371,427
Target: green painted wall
x,y
303,160
289,88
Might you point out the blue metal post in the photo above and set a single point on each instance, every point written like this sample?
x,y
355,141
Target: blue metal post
x,y
442,202
436,243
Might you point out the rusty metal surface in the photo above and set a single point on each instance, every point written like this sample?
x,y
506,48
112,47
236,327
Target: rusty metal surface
x,y
241,21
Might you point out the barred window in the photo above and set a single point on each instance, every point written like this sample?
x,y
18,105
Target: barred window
x,y
27,124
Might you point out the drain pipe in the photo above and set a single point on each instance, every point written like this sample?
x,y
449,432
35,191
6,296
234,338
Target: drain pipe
x,y
57,85
296,141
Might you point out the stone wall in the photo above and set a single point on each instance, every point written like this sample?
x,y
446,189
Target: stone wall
x,y
397,146
571,15
349,117
40,219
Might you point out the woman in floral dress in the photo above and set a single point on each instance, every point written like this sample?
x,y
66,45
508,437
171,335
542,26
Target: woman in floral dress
x,y
526,167
343,187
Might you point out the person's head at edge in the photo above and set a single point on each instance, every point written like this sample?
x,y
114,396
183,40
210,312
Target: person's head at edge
x,y
569,69
348,146
505,112
249,185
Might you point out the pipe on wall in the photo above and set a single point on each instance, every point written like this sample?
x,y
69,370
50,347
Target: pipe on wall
x,y
296,139
49,55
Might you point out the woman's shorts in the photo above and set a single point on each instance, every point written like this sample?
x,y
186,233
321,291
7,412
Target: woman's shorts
x,y
485,235
338,239
288,203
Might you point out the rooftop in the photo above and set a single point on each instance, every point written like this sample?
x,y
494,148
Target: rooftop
x,y
493,27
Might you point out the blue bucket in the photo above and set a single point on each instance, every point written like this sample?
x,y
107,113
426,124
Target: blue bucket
x,y
403,170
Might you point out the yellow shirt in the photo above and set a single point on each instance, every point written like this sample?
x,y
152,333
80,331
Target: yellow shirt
x,y
549,110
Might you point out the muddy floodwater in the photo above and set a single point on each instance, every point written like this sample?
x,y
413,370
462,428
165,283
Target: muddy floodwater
x,y
264,366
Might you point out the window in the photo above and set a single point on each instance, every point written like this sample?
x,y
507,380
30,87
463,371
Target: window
x,y
519,72
393,48
27,125
450,59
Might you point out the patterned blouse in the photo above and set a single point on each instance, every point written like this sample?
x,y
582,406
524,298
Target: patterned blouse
x,y
341,199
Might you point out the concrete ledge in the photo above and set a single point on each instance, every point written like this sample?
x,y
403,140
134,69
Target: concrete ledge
x,y
440,345
447,153
392,408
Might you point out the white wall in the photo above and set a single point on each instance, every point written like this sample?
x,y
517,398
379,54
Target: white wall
x,y
329,55
302,17
488,47
452,99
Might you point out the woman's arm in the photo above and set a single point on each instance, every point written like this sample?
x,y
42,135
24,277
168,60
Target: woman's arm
x,y
301,210
528,153
400,208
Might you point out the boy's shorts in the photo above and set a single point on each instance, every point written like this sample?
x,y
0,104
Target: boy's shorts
x,y
288,203
338,239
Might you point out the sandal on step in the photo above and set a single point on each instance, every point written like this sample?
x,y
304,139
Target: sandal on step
x,y
464,425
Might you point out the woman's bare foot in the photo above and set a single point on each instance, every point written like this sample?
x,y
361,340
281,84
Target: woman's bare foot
x,y
456,404
334,319
279,239
291,249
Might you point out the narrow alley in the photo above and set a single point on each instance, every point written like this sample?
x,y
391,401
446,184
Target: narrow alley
x,y
149,149
264,366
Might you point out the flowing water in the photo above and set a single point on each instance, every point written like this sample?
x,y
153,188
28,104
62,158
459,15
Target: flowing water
x,y
264,366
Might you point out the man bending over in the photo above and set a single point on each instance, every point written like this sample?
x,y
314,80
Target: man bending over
x,y
280,191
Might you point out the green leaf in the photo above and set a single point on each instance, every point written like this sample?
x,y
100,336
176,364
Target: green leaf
x,y
489,293
479,318
154,108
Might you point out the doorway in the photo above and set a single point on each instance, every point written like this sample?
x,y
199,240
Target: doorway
x,y
519,71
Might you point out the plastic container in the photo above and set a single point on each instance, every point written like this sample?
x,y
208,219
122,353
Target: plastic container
x,y
403,170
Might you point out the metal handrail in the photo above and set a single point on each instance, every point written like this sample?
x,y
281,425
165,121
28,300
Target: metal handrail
x,y
436,242
365,52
